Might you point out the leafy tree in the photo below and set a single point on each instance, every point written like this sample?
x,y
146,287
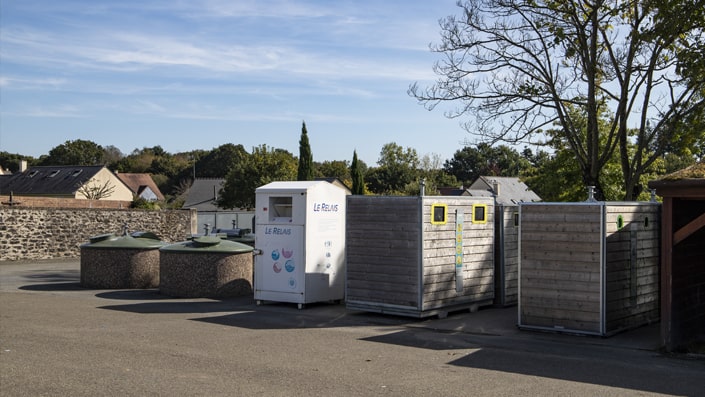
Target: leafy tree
x,y
434,176
77,152
673,163
165,165
305,170
11,161
333,169
263,166
398,167
469,163
190,169
219,161
140,160
111,156
522,65
141,203
358,182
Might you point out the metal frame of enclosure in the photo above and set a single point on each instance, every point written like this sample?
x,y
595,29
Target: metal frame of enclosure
x,y
419,256
588,268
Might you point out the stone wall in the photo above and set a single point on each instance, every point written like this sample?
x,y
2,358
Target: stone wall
x,y
47,233
62,202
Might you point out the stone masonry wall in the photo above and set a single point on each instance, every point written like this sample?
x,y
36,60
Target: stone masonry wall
x,y
62,202
48,233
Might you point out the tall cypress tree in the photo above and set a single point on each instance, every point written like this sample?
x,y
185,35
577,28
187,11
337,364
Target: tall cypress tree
x,y
358,183
305,157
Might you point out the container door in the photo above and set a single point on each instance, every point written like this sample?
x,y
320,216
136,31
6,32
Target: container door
x,y
280,269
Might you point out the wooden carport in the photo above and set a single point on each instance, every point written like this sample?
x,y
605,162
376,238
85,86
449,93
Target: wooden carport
x,y
682,257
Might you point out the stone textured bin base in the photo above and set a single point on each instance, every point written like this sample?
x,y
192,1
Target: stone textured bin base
x,y
205,275
119,268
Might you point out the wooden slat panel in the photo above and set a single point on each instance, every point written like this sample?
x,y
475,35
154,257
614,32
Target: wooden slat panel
x,y
560,323
384,234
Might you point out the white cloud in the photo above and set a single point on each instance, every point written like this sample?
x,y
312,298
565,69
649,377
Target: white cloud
x,y
61,111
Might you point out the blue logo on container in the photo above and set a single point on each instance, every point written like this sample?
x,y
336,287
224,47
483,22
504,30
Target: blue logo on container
x,y
275,255
289,265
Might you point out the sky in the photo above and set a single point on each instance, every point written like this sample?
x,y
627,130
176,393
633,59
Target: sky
x,y
196,74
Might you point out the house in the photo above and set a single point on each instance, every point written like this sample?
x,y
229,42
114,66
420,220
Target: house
x,y
203,197
451,191
507,190
337,182
203,194
142,186
67,181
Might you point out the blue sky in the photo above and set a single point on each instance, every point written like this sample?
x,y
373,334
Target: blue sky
x,y
196,74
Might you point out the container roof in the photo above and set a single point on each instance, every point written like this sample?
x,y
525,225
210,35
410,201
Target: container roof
x,y
688,182
294,186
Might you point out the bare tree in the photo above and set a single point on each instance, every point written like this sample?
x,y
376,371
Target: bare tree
x,y
524,66
94,190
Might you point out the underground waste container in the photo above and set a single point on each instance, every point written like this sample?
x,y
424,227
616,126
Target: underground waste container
x,y
205,267
244,236
121,262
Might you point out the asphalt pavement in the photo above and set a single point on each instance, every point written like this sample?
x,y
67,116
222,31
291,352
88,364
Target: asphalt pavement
x,y
57,338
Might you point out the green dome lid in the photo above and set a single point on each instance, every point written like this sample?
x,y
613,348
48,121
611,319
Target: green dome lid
x,y
208,244
112,241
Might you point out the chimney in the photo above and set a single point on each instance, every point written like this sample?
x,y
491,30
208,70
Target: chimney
x,y
495,188
23,165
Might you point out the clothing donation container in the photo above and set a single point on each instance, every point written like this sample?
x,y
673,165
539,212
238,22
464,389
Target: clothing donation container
x,y
300,241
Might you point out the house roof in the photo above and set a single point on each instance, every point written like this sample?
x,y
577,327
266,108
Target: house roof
x,y
450,191
139,182
512,191
203,193
337,182
49,180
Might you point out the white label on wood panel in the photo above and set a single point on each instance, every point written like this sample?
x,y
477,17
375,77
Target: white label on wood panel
x,y
459,250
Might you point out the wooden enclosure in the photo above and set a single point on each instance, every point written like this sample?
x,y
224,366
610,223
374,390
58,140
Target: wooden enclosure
x,y
590,268
419,256
683,258
506,255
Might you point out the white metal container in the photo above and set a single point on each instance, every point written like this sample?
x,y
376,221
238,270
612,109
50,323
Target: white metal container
x,y
300,235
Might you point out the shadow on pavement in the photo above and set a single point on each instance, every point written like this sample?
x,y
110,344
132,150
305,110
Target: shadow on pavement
x,y
132,294
592,370
56,286
165,304
424,339
48,277
315,315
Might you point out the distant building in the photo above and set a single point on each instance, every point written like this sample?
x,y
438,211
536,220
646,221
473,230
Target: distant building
x,y
68,181
203,194
142,186
507,190
203,197
337,182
